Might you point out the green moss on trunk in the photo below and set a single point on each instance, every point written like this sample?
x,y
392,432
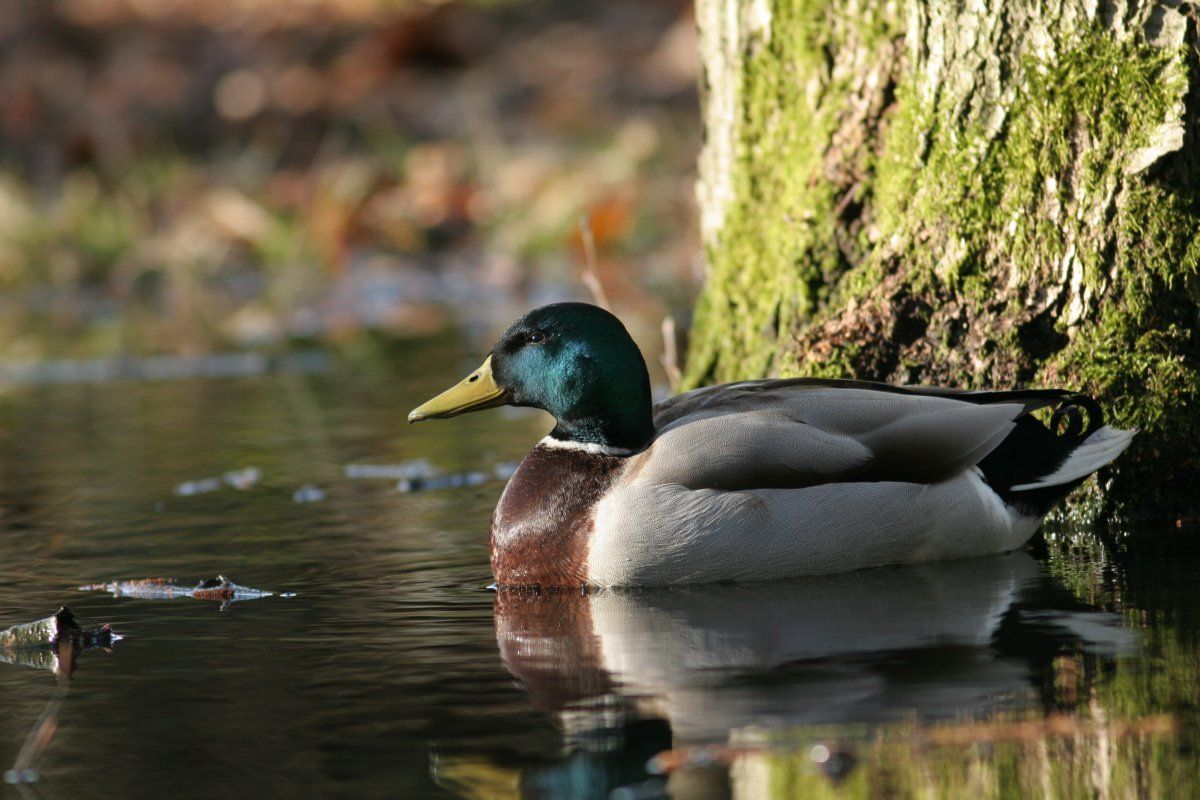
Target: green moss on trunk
x,y
820,76
921,195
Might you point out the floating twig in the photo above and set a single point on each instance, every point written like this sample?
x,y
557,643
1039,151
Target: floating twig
x,y
219,588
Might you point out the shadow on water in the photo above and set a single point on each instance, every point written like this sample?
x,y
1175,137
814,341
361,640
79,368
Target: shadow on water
x,y
393,673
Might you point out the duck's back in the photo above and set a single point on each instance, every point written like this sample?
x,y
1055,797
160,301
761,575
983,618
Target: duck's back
x,y
772,479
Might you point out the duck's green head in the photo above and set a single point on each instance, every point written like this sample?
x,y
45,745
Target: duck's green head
x,y
573,360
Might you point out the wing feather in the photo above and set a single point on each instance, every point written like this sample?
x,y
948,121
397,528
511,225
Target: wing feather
x,y
781,434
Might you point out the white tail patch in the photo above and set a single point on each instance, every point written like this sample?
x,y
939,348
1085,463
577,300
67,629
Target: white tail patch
x,y
1097,450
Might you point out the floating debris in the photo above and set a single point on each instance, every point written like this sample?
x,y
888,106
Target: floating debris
x,y
203,486
54,629
405,470
225,590
33,634
54,642
423,483
219,588
240,479
142,588
309,493
456,481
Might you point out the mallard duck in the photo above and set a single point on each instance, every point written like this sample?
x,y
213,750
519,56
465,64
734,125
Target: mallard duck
x,y
757,479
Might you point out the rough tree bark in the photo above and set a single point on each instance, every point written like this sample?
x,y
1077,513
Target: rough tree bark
x,y
962,192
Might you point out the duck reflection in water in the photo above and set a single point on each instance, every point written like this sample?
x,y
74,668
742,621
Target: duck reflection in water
x,y
627,674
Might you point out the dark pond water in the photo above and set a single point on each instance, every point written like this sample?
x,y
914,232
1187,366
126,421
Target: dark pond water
x,y
1069,671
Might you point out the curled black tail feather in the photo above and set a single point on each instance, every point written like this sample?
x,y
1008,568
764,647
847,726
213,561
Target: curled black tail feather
x,y
1083,415
1034,450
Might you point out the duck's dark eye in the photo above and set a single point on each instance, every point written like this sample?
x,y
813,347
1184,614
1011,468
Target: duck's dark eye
x,y
535,337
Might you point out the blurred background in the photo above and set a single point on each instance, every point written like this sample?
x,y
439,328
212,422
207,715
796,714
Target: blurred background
x,y
185,176
239,239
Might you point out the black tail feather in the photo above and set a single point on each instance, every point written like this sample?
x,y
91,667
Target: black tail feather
x,y
1034,450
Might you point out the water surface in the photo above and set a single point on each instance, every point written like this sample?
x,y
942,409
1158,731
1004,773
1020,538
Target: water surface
x,y
394,673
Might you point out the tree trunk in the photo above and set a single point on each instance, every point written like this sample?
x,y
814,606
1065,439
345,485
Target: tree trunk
x,y
983,193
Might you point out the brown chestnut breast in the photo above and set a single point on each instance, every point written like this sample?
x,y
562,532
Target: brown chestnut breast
x,y
543,523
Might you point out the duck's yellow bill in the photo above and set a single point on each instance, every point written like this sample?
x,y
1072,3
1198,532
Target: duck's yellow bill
x,y
474,392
